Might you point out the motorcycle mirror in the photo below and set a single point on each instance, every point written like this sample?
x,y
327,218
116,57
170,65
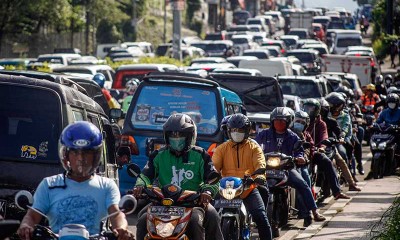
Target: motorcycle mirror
x,y
127,204
306,145
8,228
23,199
259,171
213,177
133,170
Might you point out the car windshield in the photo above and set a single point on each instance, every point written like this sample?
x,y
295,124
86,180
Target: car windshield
x,y
301,34
85,71
30,125
345,42
156,103
259,55
50,60
240,40
289,42
200,45
303,89
273,52
303,57
215,47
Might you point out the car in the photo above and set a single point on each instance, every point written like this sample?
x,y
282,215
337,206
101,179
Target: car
x,y
215,36
309,59
269,21
126,72
243,42
243,71
274,51
209,67
108,71
305,86
218,48
260,95
258,21
301,42
271,42
188,51
349,80
259,37
290,40
299,70
53,60
16,63
320,47
205,60
278,18
240,17
259,53
235,60
146,47
324,20
201,44
302,33
293,102
33,113
87,60
360,49
344,39
160,95
162,49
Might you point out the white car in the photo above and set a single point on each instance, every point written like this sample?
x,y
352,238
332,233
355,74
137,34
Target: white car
x,y
278,18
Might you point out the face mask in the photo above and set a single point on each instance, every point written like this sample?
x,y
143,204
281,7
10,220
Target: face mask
x,y
237,137
280,126
392,105
177,144
298,126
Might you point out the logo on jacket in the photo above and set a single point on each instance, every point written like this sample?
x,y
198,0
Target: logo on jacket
x,y
180,175
28,151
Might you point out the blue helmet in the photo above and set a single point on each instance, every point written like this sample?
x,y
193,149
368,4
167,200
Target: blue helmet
x,y
100,79
80,135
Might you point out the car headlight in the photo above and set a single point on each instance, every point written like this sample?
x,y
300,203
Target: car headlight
x,y
273,161
165,229
382,145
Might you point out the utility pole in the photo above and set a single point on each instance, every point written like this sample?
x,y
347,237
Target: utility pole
x,y
389,18
165,21
178,6
134,20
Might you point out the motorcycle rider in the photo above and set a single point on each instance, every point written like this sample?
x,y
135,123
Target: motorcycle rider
x,y
319,132
78,195
389,81
180,154
238,155
389,116
369,97
335,132
100,79
279,138
380,86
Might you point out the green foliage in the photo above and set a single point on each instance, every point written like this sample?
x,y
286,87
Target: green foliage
x,y
391,228
191,7
381,45
145,60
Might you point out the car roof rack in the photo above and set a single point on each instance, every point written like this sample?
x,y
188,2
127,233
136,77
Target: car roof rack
x,y
155,76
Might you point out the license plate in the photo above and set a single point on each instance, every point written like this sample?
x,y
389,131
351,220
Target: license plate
x,y
162,211
275,174
3,207
157,146
224,203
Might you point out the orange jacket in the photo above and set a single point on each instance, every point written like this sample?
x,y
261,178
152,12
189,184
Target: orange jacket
x,y
226,161
366,100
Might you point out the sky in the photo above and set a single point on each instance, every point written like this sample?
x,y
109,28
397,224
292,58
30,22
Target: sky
x,y
348,4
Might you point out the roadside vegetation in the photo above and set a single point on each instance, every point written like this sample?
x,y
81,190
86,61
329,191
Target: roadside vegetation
x,y
388,228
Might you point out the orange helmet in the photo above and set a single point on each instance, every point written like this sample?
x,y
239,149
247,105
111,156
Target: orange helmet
x,y
370,87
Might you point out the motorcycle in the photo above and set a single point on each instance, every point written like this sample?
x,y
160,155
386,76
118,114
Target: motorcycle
x,y
8,228
236,222
171,207
368,120
383,147
280,200
24,200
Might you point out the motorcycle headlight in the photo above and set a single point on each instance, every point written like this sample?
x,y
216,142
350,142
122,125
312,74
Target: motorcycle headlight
x,y
230,193
165,229
273,161
382,145
373,145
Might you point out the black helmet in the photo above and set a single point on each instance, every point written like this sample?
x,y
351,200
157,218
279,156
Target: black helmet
x,y
393,98
312,107
388,79
239,121
180,125
283,113
347,91
379,79
336,101
324,108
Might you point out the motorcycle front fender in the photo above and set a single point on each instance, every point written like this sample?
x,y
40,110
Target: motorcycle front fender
x,y
377,155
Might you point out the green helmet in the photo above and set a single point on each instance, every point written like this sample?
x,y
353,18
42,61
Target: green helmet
x,y
312,107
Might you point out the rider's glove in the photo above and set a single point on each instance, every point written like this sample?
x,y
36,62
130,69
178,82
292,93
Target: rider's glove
x,y
205,198
260,180
137,191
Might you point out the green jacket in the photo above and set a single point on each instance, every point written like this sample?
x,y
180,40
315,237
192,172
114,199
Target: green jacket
x,y
189,171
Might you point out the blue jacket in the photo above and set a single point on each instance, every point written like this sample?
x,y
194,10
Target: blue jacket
x,y
389,116
267,139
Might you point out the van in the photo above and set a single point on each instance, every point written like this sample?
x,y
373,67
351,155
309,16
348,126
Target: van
x,y
126,72
161,94
344,39
33,113
269,68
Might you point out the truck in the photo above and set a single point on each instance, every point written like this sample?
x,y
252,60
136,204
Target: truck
x,y
301,20
359,65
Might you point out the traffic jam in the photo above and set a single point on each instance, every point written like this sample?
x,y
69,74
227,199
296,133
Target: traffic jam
x,y
268,119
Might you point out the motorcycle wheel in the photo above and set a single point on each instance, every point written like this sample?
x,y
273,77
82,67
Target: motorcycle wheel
x,y
376,168
281,209
230,229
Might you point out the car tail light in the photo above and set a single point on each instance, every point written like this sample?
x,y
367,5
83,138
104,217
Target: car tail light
x,y
283,51
357,55
211,149
129,141
372,62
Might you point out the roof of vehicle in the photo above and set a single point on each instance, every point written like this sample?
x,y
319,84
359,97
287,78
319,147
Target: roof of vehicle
x,y
291,59
302,51
257,50
66,88
358,53
274,47
298,30
322,17
149,66
294,37
246,71
242,36
347,31
359,48
317,78
209,59
211,66
59,55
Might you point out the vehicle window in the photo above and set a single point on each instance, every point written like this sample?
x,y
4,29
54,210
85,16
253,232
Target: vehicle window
x,y
249,22
85,71
259,55
273,52
30,124
51,60
78,116
303,89
240,40
200,45
289,42
95,120
345,42
156,103
301,34
303,57
232,109
215,47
